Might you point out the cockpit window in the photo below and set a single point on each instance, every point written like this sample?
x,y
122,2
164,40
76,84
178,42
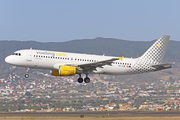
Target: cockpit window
x,y
17,54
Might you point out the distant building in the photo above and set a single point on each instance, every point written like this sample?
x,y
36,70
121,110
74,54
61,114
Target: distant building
x,y
170,91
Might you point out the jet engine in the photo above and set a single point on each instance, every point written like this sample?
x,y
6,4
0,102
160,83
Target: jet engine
x,y
64,71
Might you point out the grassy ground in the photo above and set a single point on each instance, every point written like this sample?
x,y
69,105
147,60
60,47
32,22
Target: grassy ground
x,y
90,118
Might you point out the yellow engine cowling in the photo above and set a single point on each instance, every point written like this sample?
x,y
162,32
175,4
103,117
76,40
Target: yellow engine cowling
x,y
64,71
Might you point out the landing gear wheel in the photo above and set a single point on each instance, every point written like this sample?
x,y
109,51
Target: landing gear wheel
x,y
80,80
26,75
86,80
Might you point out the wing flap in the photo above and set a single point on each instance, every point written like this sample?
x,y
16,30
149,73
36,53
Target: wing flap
x,y
94,65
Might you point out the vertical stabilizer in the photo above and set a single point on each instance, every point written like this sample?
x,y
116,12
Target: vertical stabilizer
x,y
155,53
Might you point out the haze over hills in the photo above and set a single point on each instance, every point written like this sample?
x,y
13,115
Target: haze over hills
x,y
100,46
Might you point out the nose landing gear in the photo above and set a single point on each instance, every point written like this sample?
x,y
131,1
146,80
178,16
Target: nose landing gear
x,y
27,73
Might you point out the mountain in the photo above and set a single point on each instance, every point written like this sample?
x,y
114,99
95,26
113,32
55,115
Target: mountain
x,y
100,46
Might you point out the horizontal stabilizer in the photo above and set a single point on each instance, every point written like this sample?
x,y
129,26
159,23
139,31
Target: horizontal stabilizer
x,y
163,66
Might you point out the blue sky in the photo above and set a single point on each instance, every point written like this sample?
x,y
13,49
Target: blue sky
x,y
64,20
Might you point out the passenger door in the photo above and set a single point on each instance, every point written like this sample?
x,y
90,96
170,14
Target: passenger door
x,y
29,55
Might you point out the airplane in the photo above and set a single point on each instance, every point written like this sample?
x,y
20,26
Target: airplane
x,y
69,64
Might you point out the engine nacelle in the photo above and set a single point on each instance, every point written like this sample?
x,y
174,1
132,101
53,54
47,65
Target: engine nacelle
x,y
64,71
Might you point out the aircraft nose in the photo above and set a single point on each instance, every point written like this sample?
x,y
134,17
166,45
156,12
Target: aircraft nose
x,y
8,59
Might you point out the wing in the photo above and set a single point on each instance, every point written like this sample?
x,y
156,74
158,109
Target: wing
x,y
162,66
94,65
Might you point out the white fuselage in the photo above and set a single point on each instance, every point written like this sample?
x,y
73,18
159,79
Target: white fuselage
x,y
51,60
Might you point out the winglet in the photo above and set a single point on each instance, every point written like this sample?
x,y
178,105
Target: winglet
x,y
121,58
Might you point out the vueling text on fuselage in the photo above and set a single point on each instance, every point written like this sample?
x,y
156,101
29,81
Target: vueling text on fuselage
x,y
50,53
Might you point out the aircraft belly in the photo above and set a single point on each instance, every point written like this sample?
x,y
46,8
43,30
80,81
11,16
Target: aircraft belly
x,y
115,70
37,64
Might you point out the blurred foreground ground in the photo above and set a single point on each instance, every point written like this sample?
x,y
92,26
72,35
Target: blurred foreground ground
x,y
99,115
90,118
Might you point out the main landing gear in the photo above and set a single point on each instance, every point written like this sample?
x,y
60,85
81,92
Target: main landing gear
x,y
86,79
80,80
27,73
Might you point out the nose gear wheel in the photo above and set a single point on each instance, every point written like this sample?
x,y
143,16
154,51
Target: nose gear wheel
x,y
27,73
